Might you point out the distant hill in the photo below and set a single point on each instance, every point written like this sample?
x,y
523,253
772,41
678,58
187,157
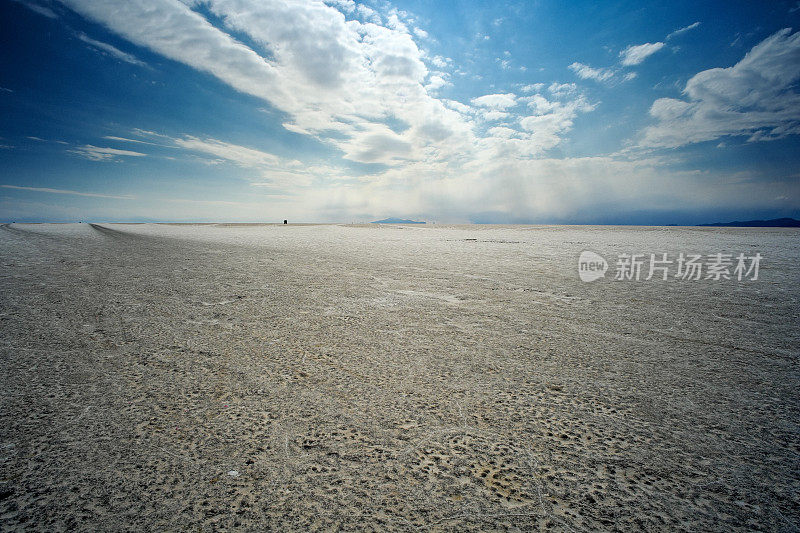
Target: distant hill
x,y
396,221
774,223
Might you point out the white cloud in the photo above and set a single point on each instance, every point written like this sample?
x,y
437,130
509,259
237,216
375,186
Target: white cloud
x,y
541,189
345,79
757,97
240,155
562,89
97,153
539,105
337,80
175,31
534,87
496,101
441,62
111,50
368,14
436,81
683,30
268,170
347,6
494,115
586,72
630,56
549,120
393,21
503,132
378,144
458,106
635,54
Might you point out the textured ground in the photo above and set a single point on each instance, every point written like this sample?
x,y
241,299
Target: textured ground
x,y
400,377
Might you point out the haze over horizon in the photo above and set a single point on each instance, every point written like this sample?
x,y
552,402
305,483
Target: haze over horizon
x,y
527,112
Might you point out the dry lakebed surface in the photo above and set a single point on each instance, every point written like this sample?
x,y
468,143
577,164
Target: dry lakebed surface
x,y
393,377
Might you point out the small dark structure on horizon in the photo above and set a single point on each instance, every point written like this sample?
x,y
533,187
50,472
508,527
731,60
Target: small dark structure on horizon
x,y
285,221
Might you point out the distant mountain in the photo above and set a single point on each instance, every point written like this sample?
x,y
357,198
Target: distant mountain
x,y
774,223
396,221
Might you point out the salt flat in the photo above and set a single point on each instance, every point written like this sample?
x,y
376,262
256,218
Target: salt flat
x,y
393,377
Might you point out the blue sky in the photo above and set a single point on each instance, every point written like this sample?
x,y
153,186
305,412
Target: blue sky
x,y
453,111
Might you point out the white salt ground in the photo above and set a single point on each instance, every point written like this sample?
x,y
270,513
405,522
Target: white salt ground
x,y
163,377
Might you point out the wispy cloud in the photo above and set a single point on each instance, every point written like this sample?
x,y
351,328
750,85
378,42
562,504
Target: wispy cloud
x,y
66,191
239,155
585,72
225,203
38,7
98,153
128,140
756,97
111,50
41,140
269,170
635,54
683,30
631,56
